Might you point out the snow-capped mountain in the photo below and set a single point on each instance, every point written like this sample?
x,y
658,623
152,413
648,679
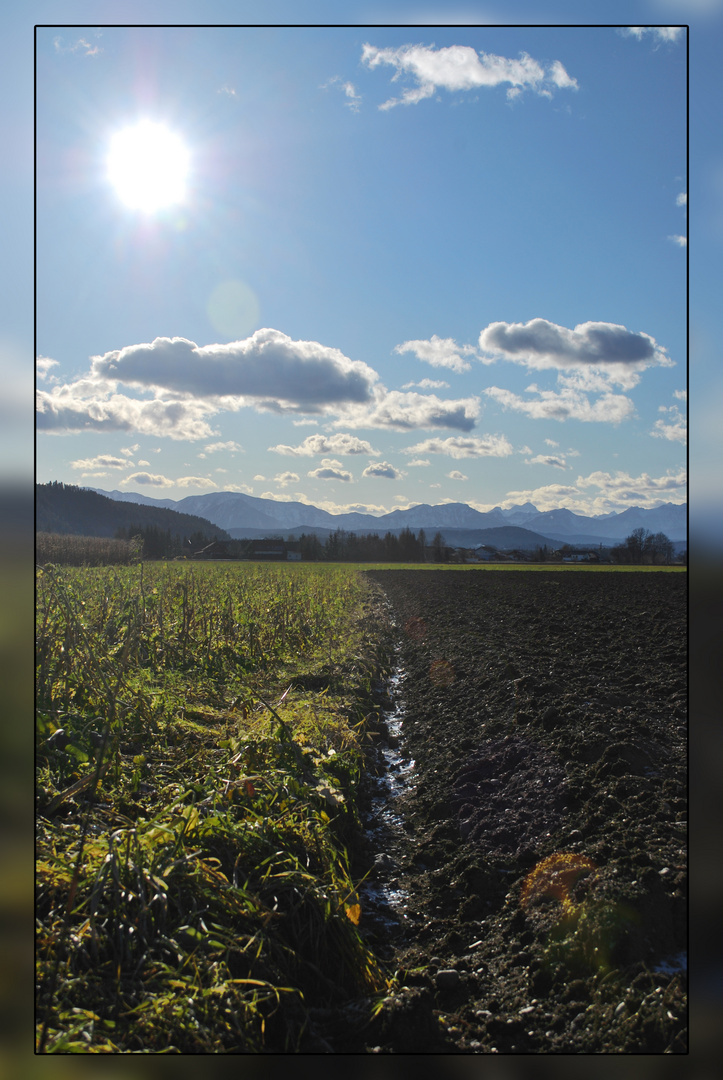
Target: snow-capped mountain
x,y
232,510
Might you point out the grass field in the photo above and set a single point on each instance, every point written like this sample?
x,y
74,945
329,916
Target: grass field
x,y
200,734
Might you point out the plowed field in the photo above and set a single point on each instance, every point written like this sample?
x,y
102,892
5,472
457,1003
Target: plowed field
x,y
542,858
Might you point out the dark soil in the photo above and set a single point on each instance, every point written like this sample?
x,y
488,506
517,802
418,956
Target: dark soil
x,y
546,715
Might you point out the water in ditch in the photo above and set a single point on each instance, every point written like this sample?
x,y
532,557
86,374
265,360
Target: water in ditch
x,y
383,894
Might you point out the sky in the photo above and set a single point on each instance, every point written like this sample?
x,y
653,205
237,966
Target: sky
x,y
412,263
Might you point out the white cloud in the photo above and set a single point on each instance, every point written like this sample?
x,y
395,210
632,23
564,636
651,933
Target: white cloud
x,y
348,89
427,384
460,67
269,369
102,461
627,488
230,447
440,352
383,469
674,427
148,480
661,33
330,469
460,447
129,451
82,46
610,351
84,407
455,474
418,463
567,405
681,241
283,478
557,462
43,365
682,199
326,444
406,411
195,481
609,492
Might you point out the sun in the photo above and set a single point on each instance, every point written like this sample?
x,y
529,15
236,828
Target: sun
x,y
148,165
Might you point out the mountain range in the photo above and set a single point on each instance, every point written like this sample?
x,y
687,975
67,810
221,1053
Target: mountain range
x,y
247,516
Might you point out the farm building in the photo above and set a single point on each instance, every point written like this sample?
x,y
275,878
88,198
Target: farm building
x,y
217,549
275,549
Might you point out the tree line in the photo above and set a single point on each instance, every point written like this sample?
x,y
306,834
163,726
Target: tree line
x,y
344,546
644,548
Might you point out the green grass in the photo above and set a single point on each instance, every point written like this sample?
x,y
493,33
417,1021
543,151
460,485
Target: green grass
x,y
200,739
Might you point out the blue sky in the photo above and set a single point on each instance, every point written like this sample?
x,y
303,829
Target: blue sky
x,y
412,264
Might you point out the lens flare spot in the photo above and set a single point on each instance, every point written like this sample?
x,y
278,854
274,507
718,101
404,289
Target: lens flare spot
x,y
415,628
233,309
442,673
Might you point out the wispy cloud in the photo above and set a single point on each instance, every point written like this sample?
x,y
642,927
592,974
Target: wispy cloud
x,y
681,241
460,447
673,425
354,98
455,474
81,45
659,33
427,384
568,404
461,68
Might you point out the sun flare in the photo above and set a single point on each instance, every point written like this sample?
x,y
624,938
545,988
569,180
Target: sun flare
x,y
147,166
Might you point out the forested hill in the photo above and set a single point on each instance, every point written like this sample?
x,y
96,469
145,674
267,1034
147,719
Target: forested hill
x,y
63,508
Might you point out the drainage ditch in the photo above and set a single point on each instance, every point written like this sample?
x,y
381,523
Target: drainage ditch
x,y
384,898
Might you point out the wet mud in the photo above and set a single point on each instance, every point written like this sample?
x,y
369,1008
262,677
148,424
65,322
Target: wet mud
x,y
527,880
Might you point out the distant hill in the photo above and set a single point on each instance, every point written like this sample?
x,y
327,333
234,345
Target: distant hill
x,y
63,508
